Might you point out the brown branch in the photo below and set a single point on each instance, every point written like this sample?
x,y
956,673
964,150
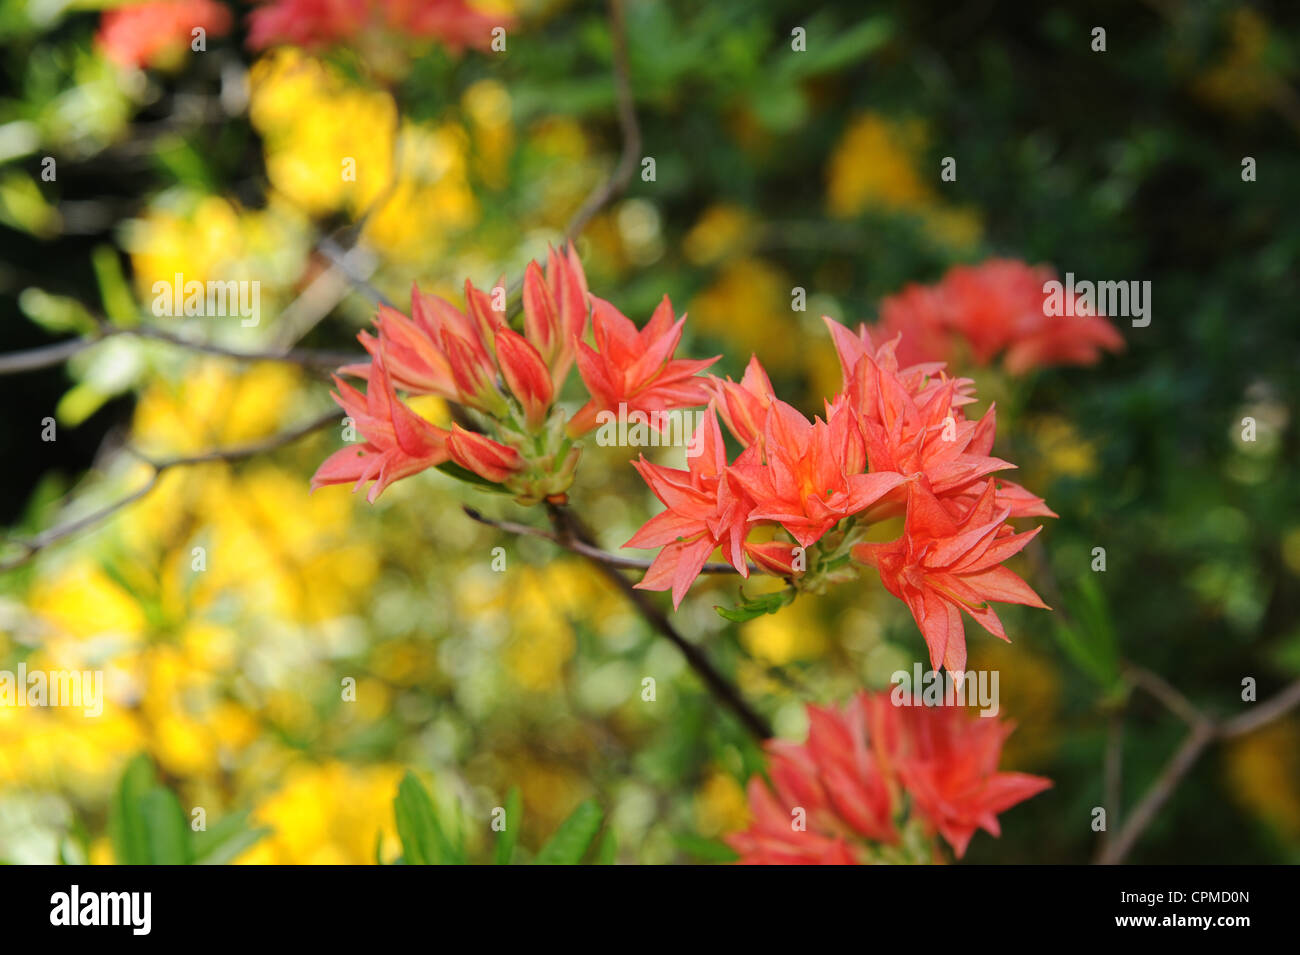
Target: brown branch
x,y
32,546
1204,731
569,528
618,181
586,550
47,356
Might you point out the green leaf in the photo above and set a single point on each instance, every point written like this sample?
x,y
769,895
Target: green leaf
x,y
56,313
168,833
510,834
607,851
126,823
226,840
423,839
708,850
452,469
114,291
1089,640
749,609
570,842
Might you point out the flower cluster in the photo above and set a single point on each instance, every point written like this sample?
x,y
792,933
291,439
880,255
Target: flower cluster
x,y
316,24
995,308
506,381
151,34
875,782
797,501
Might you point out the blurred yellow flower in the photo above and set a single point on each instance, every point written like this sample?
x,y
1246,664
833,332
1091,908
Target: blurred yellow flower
x,y
1243,80
748,304
796,633
329,143
722,231
1264,768
874,166
81,600
327,815
214,406
1060,450
720,805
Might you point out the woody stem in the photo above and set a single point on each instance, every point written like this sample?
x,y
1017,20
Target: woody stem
x,y
568,526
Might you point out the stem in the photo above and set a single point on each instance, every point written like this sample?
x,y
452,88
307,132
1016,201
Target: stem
x,y
569,527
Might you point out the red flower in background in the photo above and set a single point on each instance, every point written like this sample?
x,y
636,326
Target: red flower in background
x,y
147,34
837,798
995,308
314,24
947,761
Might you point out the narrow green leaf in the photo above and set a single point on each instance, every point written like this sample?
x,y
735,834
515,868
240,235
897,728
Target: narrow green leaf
x,y
225,840
423,840
607,851
509,836
168,833
570,842
707,850
749,609
126,821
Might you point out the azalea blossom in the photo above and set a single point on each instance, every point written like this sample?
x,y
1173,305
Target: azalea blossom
x,y
895,442
813,474
636,368
941,567
947,761
149,34
315,24
869,769
472,357
398,442
995,308
704,511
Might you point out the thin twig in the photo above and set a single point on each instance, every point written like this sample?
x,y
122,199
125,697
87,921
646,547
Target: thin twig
x,y
1160,688
584,549
48,356
618,181
569,527
1204,731
34,545
629,152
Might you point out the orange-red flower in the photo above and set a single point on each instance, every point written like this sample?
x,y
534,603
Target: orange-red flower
x,y
636,368
744,406
398,442
941,566
703,511
321,23
812,474
947,761
525,374
835,799
993,308
827,796
489,459
555,309
146,34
